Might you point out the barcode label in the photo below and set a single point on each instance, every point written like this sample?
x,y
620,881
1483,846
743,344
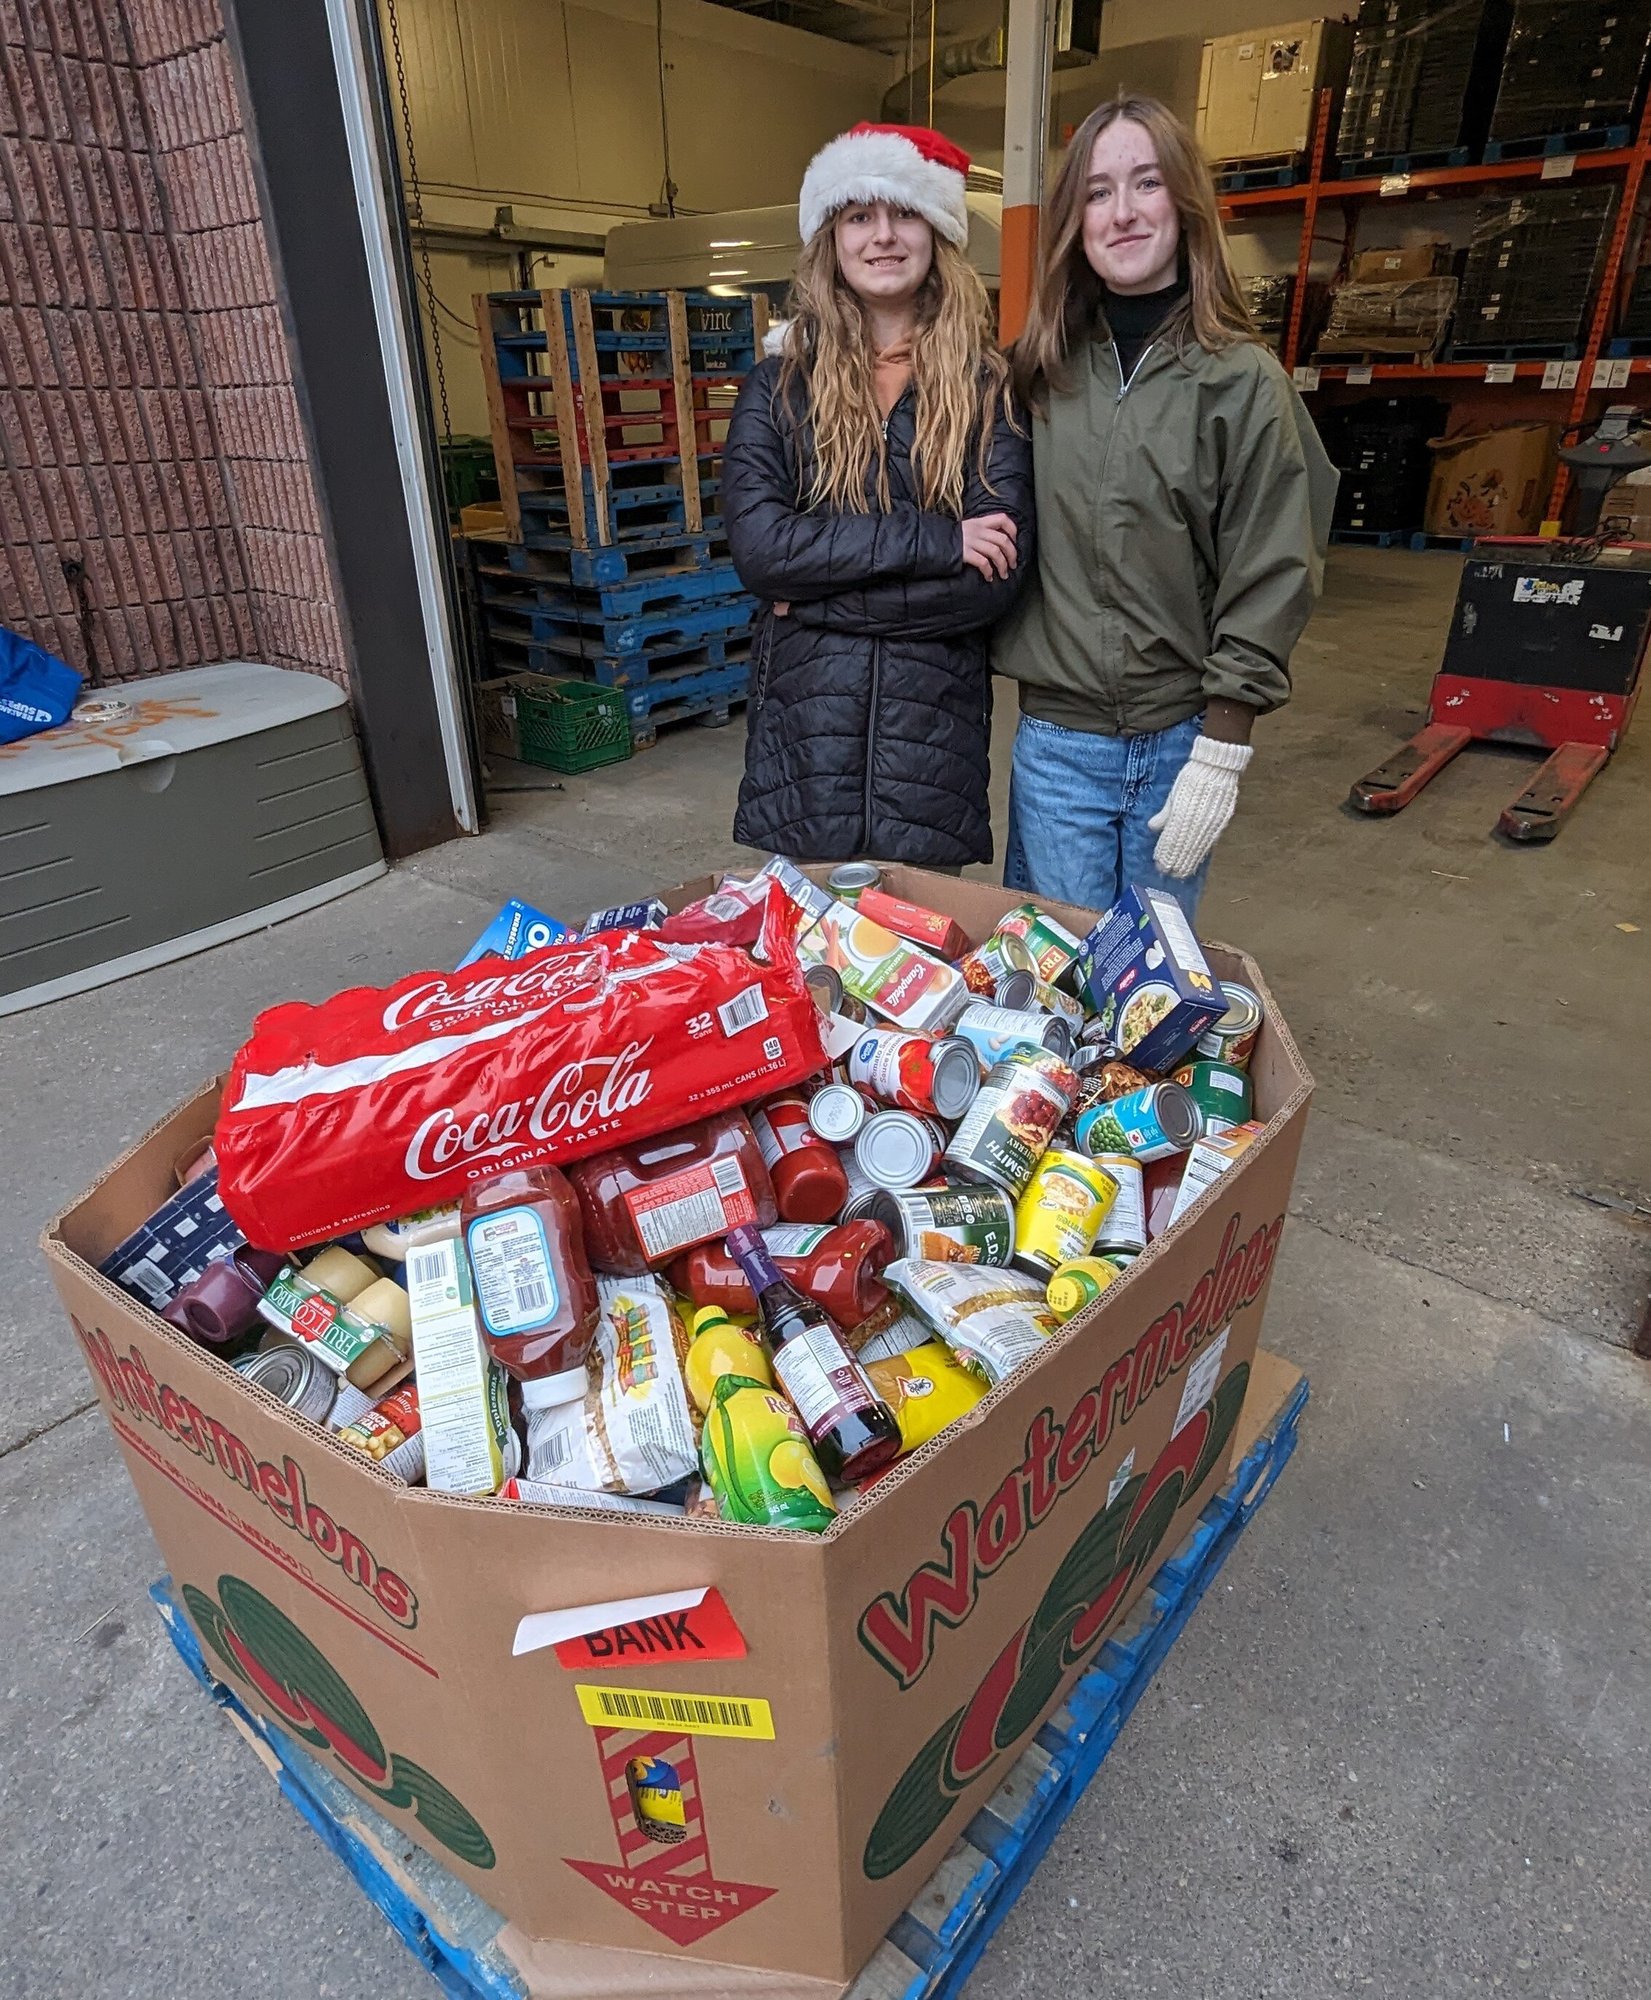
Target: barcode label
x,y
532,1296
426,1267
694,1714
745,1010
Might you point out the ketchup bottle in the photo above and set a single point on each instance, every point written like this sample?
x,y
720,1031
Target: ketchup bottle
x,y
534,1291
808,1177
851,1428
1160,1184
644,1202
836,1268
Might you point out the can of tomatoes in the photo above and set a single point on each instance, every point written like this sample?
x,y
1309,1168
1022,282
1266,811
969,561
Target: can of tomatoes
x,y
915,1072
983,967
1010,1124
1057,1218
1232,1039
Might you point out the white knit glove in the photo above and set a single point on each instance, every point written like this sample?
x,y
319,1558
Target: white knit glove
x,y
1199,805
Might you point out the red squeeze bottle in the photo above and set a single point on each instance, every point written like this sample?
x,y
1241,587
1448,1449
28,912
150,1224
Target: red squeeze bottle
x,y
808,1177
534,1291
836,1268
1160,1184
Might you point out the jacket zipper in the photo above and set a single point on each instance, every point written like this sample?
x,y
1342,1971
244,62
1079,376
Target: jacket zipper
x,y
871,741
1106,458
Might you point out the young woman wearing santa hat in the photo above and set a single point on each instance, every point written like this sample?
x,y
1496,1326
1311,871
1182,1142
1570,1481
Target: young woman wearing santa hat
x,y
876,488
1183,503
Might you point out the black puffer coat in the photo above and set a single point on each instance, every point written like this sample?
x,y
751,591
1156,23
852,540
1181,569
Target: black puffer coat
x,y
871,698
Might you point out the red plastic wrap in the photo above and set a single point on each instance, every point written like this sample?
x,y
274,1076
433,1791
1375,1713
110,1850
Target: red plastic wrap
x,y
382,1101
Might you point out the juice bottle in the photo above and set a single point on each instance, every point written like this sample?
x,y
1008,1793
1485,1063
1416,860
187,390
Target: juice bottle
x,y
534,1290
808,1177
719,1348
851,1428
837,1268
757,1461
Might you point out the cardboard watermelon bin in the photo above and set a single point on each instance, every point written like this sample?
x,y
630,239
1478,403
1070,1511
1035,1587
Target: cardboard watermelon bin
x,y
827,1718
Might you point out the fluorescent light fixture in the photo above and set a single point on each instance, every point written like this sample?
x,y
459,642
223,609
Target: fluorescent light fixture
x,y
725,291
741,243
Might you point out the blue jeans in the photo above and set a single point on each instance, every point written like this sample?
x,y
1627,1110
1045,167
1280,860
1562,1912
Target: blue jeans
x,y
1078,810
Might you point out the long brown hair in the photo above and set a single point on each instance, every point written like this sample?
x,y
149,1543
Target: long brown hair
x,y
958,373
1068,297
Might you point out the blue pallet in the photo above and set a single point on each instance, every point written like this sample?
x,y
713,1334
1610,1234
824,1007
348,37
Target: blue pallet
x,y
621,638
634,516
685,693
1546,145
1626,344
933,1946
642,597
1402,163
1240,180
648,556
1514,350
628,670
1376,538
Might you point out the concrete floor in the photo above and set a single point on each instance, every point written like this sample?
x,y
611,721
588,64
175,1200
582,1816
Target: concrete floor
x,y
1406,1743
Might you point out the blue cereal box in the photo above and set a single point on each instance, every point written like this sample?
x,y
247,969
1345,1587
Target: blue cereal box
x,y
514,932
1147,980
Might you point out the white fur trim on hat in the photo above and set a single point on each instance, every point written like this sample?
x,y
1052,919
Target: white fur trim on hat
x,y
882,166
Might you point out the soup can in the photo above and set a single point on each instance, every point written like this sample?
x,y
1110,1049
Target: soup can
x,y
1053,948
850,881
825,987
1220,1091
1057,1218
1123,1230
295,1376
993,1032
1151,1124
1010,1124
915,1072
983,967
949,1225
1078,1284
1232,1039
1026,990
898,1149
836,1111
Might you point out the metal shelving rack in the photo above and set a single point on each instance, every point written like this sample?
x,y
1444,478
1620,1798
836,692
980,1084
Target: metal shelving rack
x,y
1629,163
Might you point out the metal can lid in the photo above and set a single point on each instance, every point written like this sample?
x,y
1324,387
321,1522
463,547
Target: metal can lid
x,y
1244,1009
894,1149
836,1112
956,1075
884,1205
294,1376
1059,1038
825,984
1017,990
862,1207
853,876
1013,951
1178,1113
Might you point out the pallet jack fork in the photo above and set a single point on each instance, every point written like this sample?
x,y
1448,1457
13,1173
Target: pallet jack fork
x,y
1547,644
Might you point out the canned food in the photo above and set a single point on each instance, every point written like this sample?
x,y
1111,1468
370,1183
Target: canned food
x,y
848,881
915,1072
1232,1039
950,1225
1220,1091
1053,948
897,1149
994,1032
1112,1079
1150,1123
391,1434
1123,1230
825,986
837,1111
1026,990
1078,1284
1057,1217
983,967
1010,1124
295,1376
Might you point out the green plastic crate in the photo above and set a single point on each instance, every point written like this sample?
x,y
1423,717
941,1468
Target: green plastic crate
x,y
570,725
468,472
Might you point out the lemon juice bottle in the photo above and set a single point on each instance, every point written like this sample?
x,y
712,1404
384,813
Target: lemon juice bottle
x,y
758,1461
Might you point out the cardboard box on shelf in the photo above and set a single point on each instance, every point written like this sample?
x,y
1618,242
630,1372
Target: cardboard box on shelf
x,y
1492,482
1401,264
1626,515
1257,90
888,1672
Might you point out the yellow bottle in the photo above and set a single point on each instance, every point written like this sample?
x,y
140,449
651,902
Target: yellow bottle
x,y
758,1461
722,1346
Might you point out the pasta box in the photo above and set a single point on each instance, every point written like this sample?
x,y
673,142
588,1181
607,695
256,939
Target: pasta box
x,y
1148,980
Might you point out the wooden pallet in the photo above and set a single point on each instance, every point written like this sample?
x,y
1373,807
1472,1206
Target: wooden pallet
x,y
933,1946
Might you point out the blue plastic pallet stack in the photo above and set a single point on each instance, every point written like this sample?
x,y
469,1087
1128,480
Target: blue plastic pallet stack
x,y
608,414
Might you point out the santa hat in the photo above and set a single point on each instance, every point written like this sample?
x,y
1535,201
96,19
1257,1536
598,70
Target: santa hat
x,y
908,166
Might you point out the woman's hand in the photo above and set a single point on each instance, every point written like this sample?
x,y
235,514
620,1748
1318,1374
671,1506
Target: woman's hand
x,y
989,545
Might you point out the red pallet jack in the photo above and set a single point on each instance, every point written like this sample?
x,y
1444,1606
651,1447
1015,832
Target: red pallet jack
x,y
1547,644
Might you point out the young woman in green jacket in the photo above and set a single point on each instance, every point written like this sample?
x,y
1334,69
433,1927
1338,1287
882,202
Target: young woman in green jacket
x,y
1183,505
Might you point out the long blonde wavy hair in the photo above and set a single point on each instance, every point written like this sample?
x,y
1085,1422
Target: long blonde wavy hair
x,y
1068,296
958,372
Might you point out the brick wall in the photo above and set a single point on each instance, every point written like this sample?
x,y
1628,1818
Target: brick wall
x,y
150,431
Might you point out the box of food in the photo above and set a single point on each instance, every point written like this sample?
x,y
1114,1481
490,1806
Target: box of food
x,y
894,978
858,1694
1148,980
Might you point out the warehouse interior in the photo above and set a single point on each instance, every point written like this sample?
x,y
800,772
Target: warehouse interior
x,y
1404,1746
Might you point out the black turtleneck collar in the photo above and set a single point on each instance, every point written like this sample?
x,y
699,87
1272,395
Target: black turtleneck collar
x,y
1133,318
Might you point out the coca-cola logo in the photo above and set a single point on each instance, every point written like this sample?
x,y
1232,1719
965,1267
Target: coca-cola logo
x,y
440,996
577,1096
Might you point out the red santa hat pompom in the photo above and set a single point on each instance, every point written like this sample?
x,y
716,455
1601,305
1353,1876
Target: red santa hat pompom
x,y
908,166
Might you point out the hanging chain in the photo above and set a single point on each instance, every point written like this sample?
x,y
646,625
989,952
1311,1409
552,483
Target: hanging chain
x,y
426,280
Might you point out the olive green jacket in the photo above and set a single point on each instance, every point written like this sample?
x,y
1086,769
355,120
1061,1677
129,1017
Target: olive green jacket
x,y
1182,522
